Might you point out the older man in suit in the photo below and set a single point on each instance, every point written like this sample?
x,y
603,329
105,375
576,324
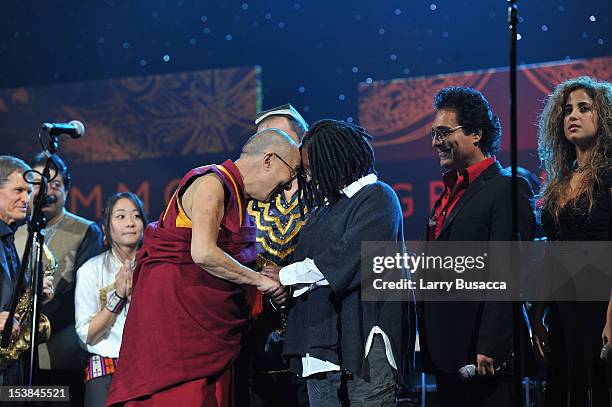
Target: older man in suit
x,y
14,198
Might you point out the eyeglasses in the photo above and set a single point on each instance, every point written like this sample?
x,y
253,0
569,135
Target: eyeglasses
x,y
294,173
55,184
443,133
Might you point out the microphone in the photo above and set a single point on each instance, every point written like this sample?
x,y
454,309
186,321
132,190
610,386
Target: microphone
x,y
606,353
74,129
50,199
467,372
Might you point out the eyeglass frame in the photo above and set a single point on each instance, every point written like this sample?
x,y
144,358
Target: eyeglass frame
x,y
442,135
294,173
53,183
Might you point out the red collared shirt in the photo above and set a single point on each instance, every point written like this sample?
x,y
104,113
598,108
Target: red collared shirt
x,y
455,183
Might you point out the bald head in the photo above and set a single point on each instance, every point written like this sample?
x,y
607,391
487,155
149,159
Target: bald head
x,y
269,162
268,140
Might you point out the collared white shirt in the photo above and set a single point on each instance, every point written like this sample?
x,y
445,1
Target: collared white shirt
x,y
97,274
305,276
356,186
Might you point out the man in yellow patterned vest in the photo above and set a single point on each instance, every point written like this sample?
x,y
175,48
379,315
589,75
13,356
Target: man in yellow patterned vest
x,y
72,240
278,225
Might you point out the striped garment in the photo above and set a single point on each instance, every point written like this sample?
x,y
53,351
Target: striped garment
x,y
98,366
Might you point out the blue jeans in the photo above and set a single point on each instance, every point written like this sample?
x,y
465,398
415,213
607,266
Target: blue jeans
x,y
336,389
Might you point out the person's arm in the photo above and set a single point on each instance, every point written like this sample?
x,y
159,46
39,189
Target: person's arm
x,y
377,218
91,323
3,317
48,291
117,300
606,335
303,276
203,203
86,301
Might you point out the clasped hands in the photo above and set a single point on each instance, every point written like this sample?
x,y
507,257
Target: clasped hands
x,y
123,280
270,285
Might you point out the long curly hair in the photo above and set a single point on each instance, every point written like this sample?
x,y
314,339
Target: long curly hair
x,y
558,155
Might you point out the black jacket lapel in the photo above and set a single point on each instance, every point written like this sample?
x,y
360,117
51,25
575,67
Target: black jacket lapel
x,y
469,193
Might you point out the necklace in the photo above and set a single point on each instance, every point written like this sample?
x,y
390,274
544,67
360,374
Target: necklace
x,y
577,168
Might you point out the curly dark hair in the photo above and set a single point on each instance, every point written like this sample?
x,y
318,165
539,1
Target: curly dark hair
x,y
339,154
558,154
473,113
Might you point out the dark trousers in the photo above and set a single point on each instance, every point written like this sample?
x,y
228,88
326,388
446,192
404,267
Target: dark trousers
x,y
281,389
263,378
71,378
477,392
342,389
96,391
13,375
576,376
265,389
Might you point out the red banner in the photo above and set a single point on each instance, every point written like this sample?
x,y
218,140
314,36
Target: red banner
x,y
399,113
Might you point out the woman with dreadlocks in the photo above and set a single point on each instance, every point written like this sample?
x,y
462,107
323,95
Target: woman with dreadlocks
x,y
348,350
575,147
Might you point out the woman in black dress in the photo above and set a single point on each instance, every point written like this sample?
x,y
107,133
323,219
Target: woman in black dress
x,y
575,147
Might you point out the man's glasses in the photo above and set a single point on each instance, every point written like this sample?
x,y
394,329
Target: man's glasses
x,y
294,173
442,133
36,180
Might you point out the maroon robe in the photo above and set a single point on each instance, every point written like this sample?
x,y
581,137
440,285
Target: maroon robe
x,y
185,324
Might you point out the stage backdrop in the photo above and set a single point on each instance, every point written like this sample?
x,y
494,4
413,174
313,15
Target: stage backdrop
x,y
144,133
399,115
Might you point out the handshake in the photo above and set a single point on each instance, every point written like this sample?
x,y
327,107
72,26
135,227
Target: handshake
x,y
269,284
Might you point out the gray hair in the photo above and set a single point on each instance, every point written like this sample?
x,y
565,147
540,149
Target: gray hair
x,y
10,164
296,121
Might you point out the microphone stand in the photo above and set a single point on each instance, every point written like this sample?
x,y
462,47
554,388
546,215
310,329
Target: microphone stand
x,y
516,305
35,239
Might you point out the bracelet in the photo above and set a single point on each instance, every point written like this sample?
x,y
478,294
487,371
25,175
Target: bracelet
x,y
115,303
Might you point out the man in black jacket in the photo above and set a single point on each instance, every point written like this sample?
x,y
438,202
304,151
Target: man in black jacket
x,y
349,350
14,199
475,205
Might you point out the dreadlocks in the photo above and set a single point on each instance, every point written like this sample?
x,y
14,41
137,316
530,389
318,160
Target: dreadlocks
x,y
339,154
